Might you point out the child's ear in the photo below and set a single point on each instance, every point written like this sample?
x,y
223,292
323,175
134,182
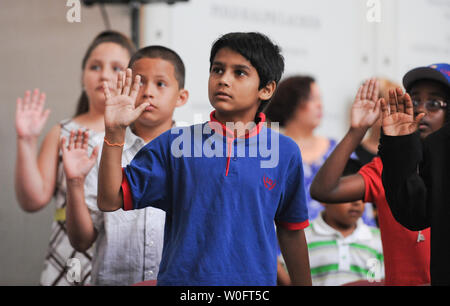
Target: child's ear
x,y
267,91
183,97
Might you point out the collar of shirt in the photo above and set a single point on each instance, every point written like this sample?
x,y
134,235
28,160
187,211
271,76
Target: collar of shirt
x,y
361,232
222,129
132,139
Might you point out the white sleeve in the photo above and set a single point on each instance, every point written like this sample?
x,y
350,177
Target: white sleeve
x,y
90,195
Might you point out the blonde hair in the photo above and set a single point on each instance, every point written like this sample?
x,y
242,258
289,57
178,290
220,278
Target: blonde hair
x,y
385,85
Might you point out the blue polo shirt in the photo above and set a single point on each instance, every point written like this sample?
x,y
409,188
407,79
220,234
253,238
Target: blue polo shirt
x,y
221,196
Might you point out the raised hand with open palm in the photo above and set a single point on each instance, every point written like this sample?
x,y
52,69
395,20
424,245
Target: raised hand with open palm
x,y
30,114
366,106
398,116
120,109
77,163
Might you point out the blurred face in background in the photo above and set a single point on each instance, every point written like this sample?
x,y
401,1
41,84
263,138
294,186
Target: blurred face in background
x,y
385,85
343,216
104,64
309,112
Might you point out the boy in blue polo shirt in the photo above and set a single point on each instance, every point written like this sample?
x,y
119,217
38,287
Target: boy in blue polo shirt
x,y
220,185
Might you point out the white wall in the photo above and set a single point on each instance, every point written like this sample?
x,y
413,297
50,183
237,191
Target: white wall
x,y
334,41
330,39
38,48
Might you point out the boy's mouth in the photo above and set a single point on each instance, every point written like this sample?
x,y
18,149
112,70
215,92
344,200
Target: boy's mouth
x,y
355,213
222,95
423,125
150,108
100,88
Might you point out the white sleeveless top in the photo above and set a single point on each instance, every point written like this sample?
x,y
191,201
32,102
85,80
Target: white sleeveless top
x,y
64,266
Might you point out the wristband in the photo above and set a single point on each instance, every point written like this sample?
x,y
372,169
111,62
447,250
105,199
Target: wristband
x,y
113,144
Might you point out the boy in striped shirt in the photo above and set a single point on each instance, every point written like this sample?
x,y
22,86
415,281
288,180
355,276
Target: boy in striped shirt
x,y
342,249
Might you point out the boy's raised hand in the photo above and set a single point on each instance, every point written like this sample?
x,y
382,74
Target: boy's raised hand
x,y
366,106
120,110
76,160
30,114
398,116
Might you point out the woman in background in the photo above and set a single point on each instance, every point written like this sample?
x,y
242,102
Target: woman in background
x,y
297,106
39,176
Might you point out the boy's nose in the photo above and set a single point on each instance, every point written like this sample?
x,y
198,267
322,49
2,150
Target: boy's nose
x,y
107,75
357,204
224,80
420,109
147,92
319,105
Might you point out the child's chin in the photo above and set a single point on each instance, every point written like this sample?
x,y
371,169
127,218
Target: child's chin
x,y
223,107
147,117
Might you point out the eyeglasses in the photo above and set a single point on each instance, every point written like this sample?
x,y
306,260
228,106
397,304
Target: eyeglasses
x,y
430,105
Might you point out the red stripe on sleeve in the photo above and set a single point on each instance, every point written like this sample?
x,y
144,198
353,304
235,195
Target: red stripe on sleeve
x,y
294,226
126,190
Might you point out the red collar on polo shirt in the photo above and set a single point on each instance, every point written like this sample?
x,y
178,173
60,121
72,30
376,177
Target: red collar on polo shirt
x,y
230,134
217,126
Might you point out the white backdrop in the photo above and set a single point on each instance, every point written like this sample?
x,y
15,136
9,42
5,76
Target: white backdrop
x,y
334,41
330,39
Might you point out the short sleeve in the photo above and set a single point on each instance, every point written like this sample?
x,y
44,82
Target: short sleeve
x,y
145,181
90,195
371,174
292,212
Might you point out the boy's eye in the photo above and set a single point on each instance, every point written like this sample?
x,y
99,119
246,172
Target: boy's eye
x,y
240,72
161,84
118,69
217,70
95,67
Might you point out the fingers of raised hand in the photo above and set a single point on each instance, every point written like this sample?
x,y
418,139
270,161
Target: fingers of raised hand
x,y
39,102
71,144
400,100
22,103
365,89
30,101
392,101
107,92
384,108
85,142
136,86
26,100
128,81
34,99
370,88
409,108
358,93
79,139
376,91
94,154
63,144
418,118
119,84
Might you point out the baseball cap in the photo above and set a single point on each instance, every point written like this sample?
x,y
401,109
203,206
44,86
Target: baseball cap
x,y
436,72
